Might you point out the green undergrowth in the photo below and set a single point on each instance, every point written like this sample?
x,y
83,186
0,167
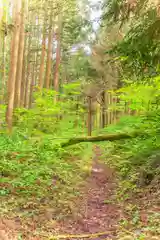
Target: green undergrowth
x,y
138,159
34,168
133,155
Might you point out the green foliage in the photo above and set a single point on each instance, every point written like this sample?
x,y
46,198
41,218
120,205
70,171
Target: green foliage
x,y
49,116
142,96
32,163
33,166
137,52
139,157
33,170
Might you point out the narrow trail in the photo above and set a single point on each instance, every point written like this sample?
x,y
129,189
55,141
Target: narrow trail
x,y
98,213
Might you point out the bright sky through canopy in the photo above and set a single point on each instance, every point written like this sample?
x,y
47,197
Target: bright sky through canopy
x,y
96,13
94,17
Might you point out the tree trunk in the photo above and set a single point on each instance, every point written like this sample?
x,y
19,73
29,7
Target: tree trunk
x,y
106,106
28,82
41,71
25,57
13,65
98,118
49,56
103,110
89,120
20,59
36,56
3,22
28,71
23,83
108,137
58,54
32,85
108,109
3,70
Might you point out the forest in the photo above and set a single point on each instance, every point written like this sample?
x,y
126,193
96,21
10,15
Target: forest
x,y
79,119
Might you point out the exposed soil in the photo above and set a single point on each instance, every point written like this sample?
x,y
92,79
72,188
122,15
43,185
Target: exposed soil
x,y
97,212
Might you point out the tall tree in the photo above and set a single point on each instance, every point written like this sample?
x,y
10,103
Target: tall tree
x,y
41,71
23,83
3,35
58,53
20,57
49,54
13,63
28,70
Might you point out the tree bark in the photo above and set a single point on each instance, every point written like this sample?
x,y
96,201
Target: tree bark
x,y
28,71
13,65
3,70
27,87
32,85
41,70
103,110
3,44
36,60
24,69
89,120
20,59
49,56
58,54
25,57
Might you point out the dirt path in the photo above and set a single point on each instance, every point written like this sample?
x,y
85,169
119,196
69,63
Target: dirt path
x,y
98,213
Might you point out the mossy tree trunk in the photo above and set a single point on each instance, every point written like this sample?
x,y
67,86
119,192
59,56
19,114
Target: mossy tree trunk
x,y
102,138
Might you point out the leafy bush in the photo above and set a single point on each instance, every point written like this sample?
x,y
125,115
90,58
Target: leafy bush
x,y
49,115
